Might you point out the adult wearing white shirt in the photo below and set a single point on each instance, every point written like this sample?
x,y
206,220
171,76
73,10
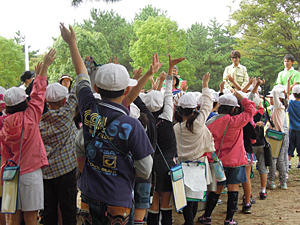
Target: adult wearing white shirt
x,y
236,70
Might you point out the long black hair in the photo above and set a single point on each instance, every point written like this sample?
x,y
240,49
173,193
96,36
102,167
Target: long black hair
x,y
226,109
188,112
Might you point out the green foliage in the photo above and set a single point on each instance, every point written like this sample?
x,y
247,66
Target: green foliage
x,y
208,49
34,61
88,44
270,27
149,11
79,2
12,63
160,35
117,32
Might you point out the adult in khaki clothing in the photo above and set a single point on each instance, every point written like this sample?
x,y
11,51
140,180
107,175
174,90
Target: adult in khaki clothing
x,y
237,71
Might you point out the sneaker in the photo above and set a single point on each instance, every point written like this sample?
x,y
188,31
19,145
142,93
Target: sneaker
x,y
246,208
230,222
252,200
219,202
290,165
283,185
262,196
271,185
298,165
204,220
224,190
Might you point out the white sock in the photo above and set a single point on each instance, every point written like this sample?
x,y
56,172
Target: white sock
x,y
263,190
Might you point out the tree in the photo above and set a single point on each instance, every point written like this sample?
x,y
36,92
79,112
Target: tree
x,y
12,63
116,30
208,49
78,2
20,39
88,44
271,27
160,35
149,11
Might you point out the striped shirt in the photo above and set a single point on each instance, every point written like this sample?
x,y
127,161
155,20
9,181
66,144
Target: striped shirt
x,y
58,132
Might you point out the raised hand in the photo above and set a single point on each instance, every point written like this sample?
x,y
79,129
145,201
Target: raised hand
x,y
238,95
155,63
155,66
222,85
49,57
230,78
173,62
137,74
260,82
251,80
38,68
178,96
162,76
205,80
68,35
116,60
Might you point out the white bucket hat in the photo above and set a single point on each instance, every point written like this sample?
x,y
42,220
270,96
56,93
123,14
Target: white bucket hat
x,y
56,92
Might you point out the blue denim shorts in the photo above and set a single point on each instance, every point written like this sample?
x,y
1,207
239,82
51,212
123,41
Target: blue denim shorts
x,y
142,195
234,175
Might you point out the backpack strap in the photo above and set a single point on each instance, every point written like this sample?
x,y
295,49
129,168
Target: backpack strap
x,y
109,122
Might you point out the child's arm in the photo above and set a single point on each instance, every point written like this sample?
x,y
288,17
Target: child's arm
x,y
48,60
134,92
222,86
235,84
70,38
258,83
162,78
248,85
168,96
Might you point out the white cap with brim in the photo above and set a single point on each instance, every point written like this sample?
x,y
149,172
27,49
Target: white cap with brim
x,y
14,96
188,101
296,89
229,99
113,77
280,89
56,92
154,100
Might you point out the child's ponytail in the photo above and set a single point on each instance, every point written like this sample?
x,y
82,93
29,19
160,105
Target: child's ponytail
x,y
188,112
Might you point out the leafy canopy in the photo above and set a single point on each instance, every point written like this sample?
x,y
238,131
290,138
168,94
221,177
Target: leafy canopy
x,y
88,44
160,35
271,26
12,63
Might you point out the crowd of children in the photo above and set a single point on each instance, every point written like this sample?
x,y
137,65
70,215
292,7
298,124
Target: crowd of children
x,y
117,143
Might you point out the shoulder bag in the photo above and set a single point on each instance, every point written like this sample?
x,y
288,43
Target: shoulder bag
x,y
11,176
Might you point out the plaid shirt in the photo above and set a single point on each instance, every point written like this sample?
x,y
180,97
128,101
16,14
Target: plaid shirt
x,y
58,132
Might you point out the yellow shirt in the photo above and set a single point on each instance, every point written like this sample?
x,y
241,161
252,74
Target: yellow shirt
x,y
239,74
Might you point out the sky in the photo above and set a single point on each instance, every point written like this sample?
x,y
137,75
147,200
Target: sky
x,y
39,20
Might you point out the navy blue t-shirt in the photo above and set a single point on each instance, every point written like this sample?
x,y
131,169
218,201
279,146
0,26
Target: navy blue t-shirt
x,y
294,114
108,175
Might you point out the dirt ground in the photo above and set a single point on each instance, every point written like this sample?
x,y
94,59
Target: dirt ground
x,y
280,206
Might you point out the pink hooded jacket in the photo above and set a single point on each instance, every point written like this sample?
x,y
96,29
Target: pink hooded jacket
x,y
33,154
232,153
